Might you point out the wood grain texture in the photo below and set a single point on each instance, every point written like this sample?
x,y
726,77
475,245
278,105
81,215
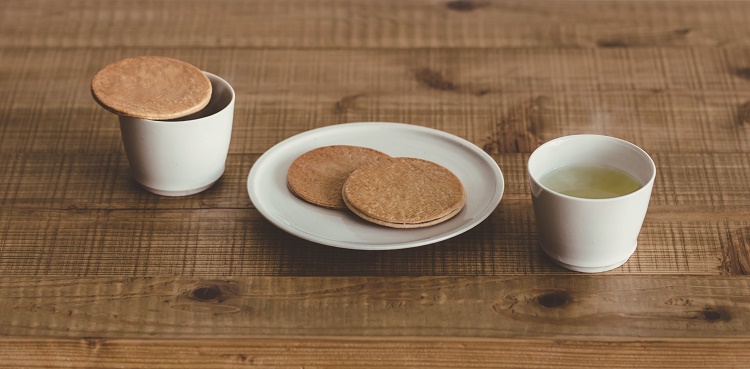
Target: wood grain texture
x,y
95,272
410,309
355,352
530,322
663,99
373,24
594,308
218,232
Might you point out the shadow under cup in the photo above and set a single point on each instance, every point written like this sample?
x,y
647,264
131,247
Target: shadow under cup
x,y
590,235
182,156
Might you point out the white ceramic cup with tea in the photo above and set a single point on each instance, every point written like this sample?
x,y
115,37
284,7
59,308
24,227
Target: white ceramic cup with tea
x,y
185,155
590,195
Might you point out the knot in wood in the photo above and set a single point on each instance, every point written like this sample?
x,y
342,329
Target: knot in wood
x,y
207,293
92,343
742,73
553,299
743,114
462,5
715,315
434,80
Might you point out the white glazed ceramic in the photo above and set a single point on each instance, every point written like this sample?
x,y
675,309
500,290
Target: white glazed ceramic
x,y
182,156
478,172
590,235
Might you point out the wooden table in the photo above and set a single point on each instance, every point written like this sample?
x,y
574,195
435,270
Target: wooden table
x,y
95,272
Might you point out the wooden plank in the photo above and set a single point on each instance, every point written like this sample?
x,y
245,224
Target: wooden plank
x,y
506,123
241,243
358,352
698,183
579,307
372,24
52,73
66,216
665,100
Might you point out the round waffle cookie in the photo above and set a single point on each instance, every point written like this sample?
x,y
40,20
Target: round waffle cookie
x,y
404,193
318,175
151,87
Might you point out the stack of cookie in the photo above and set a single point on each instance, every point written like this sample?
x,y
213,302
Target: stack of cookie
x,y
393,192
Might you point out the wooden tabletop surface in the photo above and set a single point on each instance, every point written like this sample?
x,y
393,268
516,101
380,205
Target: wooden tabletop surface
x,y
96,272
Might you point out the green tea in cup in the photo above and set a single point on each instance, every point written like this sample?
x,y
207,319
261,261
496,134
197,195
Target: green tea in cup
x,y
590,181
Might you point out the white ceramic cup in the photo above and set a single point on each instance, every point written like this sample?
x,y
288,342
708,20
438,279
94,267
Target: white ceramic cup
x,y
590,235
183,156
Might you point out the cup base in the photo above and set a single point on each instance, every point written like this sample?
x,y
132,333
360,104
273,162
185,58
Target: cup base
x,y
599,269
176,193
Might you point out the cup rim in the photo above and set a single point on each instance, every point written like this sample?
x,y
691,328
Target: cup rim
x,y
231,90
645,187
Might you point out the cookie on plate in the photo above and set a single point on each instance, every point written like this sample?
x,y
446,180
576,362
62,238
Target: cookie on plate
x,y
151,87
318,175
404,193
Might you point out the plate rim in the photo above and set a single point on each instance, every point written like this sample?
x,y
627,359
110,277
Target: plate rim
x,y
484,214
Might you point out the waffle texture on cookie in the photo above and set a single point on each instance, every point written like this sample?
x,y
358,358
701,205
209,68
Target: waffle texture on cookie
x,y
318,175
404,193
151,87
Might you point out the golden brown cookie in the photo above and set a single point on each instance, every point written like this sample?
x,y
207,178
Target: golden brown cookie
x,y
318,175
151,87
404,193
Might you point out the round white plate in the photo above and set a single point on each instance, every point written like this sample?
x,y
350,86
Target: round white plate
x,y
478,172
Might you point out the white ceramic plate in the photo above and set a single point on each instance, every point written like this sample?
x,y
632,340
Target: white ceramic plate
x,y
478,172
